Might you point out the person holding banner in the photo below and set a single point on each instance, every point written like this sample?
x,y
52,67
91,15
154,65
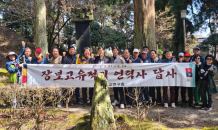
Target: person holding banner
x,y
86,59
144,56
116,59
101,59
128,91
145,48
207,83
168,59
153,55
70,58
197,92
39,58
187,57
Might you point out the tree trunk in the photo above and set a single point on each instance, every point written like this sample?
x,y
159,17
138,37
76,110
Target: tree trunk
x,y
40,36
144,24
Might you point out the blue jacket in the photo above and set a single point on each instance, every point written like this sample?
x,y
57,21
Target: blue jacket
x,y
138,60
145,60
168,61
10,64
35,61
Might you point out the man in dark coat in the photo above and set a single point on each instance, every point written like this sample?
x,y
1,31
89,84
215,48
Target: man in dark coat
x,y
70,58
101,59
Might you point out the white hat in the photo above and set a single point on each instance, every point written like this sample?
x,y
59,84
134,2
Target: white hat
x,y
181,54
135,50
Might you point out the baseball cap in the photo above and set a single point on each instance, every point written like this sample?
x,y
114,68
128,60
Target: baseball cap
x,y
181,54
196,48
187,54
135,50
38,50
144,52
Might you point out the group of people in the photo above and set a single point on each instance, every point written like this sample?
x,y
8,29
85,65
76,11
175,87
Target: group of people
x,y
202,93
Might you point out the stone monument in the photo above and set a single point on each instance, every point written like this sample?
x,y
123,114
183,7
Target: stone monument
x,y
82,19
102,115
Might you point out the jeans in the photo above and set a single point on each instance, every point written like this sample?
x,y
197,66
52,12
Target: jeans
x,y
205,90
120,91
152,94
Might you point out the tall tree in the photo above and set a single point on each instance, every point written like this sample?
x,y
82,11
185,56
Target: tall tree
x,y
40,37
144,23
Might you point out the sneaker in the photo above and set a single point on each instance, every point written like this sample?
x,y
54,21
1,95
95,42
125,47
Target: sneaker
x,y
140,103
128,106
203,108
173,105
208,109
166,105
115,102
122,106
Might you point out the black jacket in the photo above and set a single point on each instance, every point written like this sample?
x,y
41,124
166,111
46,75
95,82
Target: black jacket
x,y
68,59
106,59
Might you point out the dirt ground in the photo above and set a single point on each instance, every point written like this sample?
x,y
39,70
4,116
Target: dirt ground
x,y
175,118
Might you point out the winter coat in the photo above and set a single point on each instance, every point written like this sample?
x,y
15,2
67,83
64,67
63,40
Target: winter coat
x,y
69,59
212,85
13,68
105,58
84,60
35,61
117,60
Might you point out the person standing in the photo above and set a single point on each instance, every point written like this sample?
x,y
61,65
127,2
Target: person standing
x,y
128,90
197,92
116,59
56,59
101,59
180,60
197,51
168,59
207,83
39,58
146,48
153,55
70,58
144,57
187,57
86,59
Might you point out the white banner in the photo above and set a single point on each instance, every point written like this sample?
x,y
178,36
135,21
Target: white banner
x,y
118,75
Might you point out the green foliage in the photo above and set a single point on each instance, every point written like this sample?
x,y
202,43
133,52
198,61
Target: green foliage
x,y
212,40
160,52
95,33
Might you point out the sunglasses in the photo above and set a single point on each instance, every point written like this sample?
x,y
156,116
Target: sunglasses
x,y
209,59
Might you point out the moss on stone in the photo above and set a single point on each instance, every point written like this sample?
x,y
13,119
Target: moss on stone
x,y
102,115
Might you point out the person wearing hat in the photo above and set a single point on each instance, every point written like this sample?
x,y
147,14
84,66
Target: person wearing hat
x,y
144,57
86,59
39,58
197,51
180,60
187,57
145,48
168,59
116,59
70,58
12,65
136,56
